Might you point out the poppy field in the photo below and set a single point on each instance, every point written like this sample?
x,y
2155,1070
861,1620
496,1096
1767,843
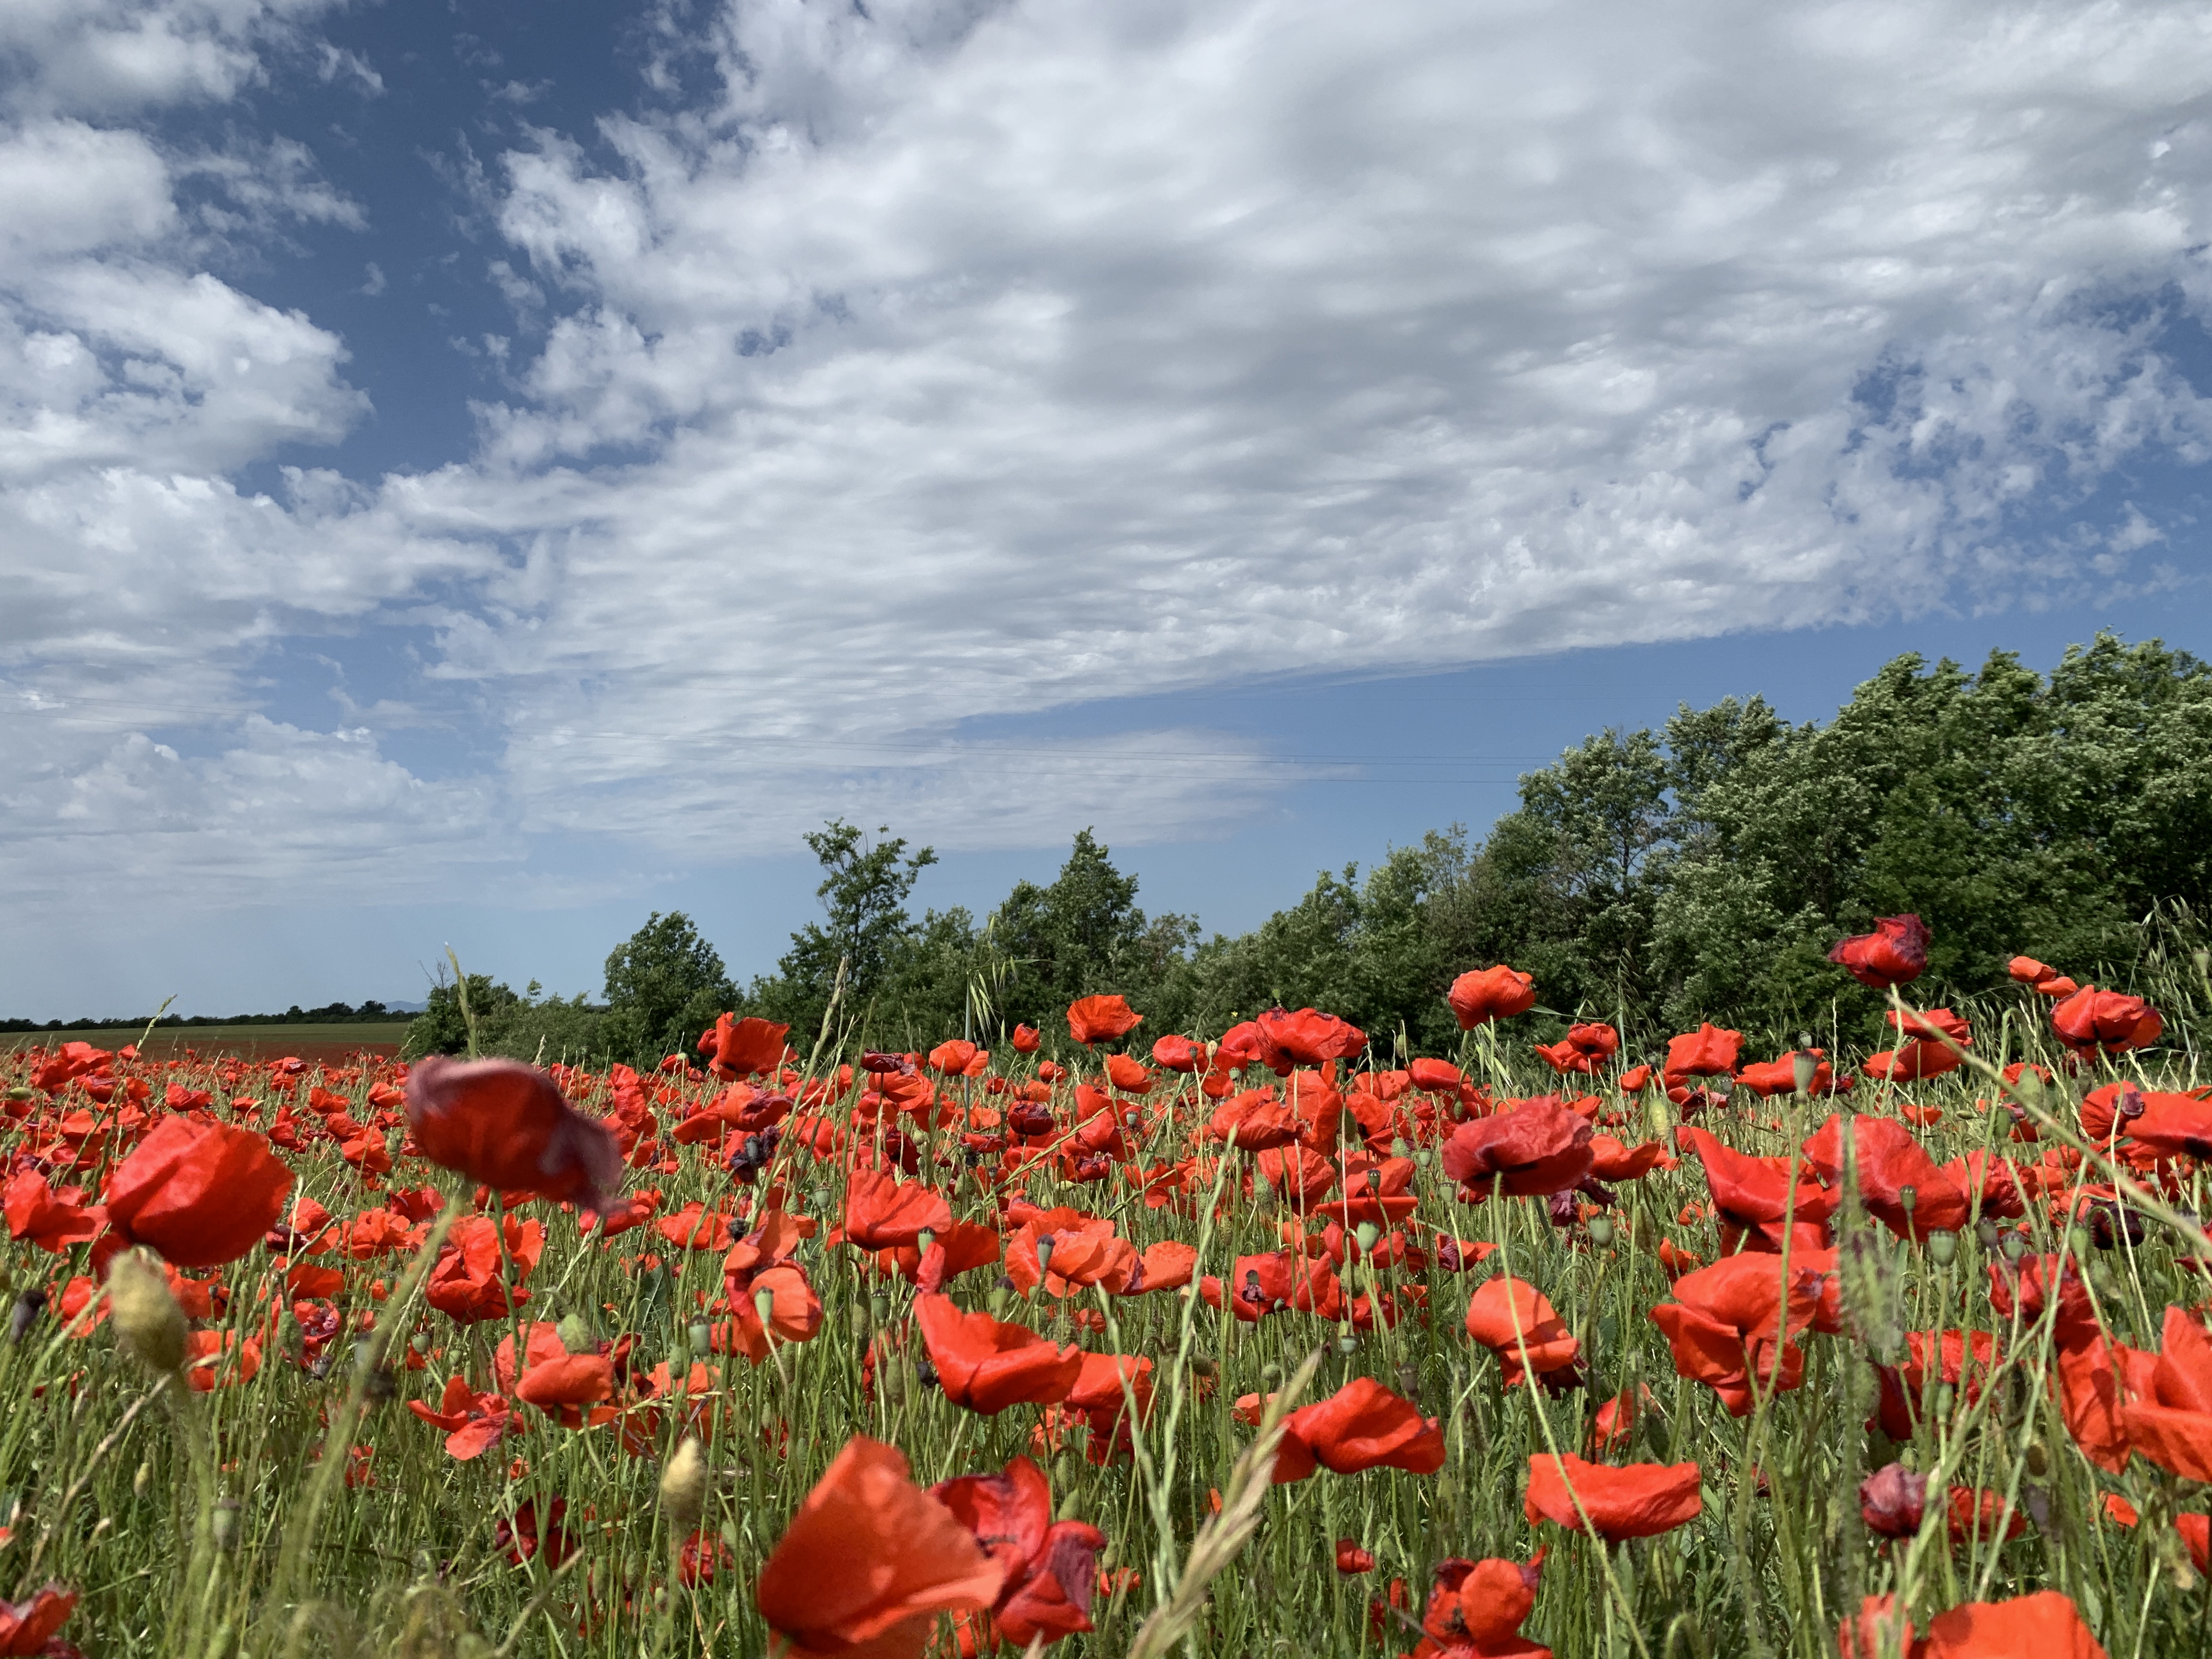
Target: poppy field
x,y
1111,1341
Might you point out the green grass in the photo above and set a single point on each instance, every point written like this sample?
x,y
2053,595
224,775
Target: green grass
x,y
173,1522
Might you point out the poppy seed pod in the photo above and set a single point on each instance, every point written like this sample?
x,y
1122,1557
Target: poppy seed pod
x,y
683,1485
146,1313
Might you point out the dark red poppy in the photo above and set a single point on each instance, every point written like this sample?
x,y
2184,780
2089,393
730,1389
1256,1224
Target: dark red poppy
x,y
1101,1019
1900,1185
1363,1426
2112,1021
1480,995
1959,1358
1051,1567
1895,953
1351,1559
1309,1038
509,1126
988,1366
1540,1147
199,1194
1638,1501
870,1560
1892,1501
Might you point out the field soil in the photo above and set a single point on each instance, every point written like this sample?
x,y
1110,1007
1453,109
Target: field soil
x,y
310,1042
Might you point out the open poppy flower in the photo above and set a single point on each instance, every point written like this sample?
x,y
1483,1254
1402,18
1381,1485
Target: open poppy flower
x,y
1179,1053
1101,1019
1892,1167
1709,1051
884,1214
2112,1021
473,1423
1050,1567
1363,1426
2047,1624
29,1626
1309,1037
1640,1500
1351,1559
1476,1609
1539,1148
870,1560
2177,1125
1583,1050
198,1194
988,1366
1728,1328
1481,995
507,1125
51,1223
742,1048
2172,1426
1895,953
1512,1319
1755,1196
1912,1063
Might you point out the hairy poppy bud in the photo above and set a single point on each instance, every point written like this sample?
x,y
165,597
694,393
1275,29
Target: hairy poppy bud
x,y
146,1316
683,1485
1942,1248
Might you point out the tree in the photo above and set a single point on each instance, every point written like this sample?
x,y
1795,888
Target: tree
x,y
664,984
1083,934
864,892
442,1029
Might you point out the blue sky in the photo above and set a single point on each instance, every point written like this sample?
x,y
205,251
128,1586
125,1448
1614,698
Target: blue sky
x,y
474,473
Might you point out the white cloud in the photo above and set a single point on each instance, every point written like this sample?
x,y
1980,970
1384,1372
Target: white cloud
x,y
960,361
969,360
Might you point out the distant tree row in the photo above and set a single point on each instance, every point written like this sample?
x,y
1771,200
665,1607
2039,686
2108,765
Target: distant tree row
x,y
1650,878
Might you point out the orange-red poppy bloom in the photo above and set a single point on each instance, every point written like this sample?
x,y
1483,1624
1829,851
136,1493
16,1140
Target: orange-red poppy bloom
x,y
1475,1609
1513,1321
509,1126
1892,1168
1351,1559
870,1560
1101,1019
199,1195
2047,1624
473,1423
2172,1426
882,1213
1363,1426
1179,1053
988,1366
2092,1019
1709,1051
1638,1501
1480,995
1728,1327
29,1626
1309,1038
742,1048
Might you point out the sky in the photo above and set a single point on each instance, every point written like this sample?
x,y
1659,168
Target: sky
x,y
474,472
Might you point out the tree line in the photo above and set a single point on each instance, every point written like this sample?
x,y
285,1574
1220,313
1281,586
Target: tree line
x,y
1651,878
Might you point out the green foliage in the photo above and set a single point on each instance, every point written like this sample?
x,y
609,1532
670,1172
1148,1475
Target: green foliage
x,y
665,985
442,1029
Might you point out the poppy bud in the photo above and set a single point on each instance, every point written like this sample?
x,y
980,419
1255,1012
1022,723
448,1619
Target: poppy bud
x,y
1803,1068
925,1239
1367,1233
146,1316
702,1336
1044,1252
226,1524
141,1480
575,1335
1942,1248
683,1485
765,1304
1600,1230
1271,1376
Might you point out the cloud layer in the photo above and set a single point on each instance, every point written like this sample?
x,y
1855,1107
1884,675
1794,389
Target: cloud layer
x,y
955,360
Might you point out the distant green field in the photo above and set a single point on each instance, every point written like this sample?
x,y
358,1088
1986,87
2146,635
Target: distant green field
x,y
253,1042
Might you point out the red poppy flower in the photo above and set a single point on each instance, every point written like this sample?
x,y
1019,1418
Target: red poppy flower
x,y
1892,1501
870,1560
473,1423
1728,1328
1709,1051
2092,1019
1879,1630
1891,1165
742,1048
1309,1037
1436,1076
1638,1501
1755,1195
1913,1063
2177,1125
1481,995
468,1284
507,1125
1249,1044
1276,1283
988,1366
1026,1039
1541,1147
199,1195
1101,1019
1509,1318
1895,953
1583,1050
28,1627
34,1212
1179,1053
2173,1425
1127,1076
1351,1559
1475,1609
1363,1426
2046,1624
1051,1567
958,1058
1779,1076
883,1213
1255,1121
1961,1358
